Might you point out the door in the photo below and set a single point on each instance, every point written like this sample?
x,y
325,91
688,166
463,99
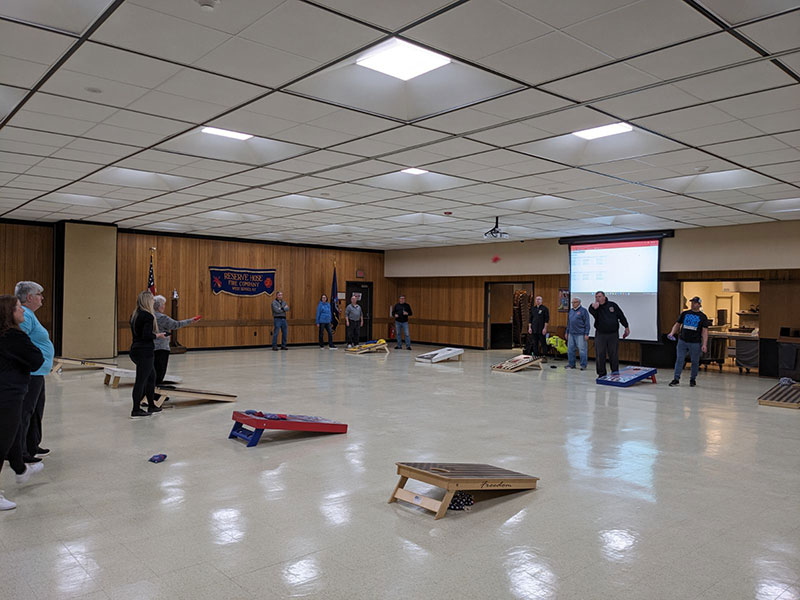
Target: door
x,y
363,291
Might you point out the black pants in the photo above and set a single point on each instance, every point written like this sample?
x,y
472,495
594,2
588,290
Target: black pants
x,y
538,343
30,423
354,333
145,383
323,327
10,442
160,362
606,344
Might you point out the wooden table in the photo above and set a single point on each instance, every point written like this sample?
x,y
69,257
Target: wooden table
x,y
454,477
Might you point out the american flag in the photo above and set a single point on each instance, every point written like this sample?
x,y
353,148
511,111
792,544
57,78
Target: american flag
x,y
151,280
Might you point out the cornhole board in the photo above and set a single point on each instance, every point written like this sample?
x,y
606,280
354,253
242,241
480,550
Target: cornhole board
x,y
518,363
113,374
454,477
242,420
171,391
627,376
441,355
786,396
60,361
376,346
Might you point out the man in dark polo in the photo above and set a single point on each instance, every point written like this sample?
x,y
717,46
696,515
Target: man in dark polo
x,y
537,327
607,318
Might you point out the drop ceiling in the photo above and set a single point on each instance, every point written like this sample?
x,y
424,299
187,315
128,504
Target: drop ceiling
x,y
102,107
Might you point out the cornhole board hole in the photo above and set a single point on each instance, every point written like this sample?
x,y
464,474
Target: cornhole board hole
x,y
60,361
114,374
518,363
171,391
243,420
441,355
627,376
454,477
376,346
786,396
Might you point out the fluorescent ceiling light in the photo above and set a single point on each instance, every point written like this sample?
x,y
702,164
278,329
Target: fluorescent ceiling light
x,y
402,60
225,133
604,131
414,171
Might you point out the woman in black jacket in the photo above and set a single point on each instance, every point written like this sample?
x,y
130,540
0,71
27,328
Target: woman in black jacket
x,y
144,329
18,357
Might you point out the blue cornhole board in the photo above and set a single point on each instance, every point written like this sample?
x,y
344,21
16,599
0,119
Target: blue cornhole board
x,y
627,376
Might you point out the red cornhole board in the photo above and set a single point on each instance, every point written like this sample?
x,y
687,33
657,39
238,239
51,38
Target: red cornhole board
x,y
291,422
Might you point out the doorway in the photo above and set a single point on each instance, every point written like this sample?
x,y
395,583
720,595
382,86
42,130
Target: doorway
x,y
363,291
503,328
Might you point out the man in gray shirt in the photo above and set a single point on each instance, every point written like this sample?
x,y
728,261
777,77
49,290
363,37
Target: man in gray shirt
x,y
165,324
279,310
354,319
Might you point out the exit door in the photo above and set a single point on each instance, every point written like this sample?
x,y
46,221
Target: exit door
x,y
363,291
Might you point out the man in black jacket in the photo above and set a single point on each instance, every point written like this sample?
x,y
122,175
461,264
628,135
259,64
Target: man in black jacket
x,y
607,318
401,311
537,327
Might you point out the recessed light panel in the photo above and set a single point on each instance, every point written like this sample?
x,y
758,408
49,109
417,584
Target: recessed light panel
x,y
414,171
225,133
402,60
604,131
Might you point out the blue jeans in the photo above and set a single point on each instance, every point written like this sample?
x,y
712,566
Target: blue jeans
x,y
577,342
401,328
694,352
279,325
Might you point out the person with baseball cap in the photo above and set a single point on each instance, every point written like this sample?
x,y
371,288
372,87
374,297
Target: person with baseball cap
x,y
693,325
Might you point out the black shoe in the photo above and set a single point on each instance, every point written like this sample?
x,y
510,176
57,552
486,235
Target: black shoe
x,y
409,348
692,383
40,452
154,409
31,459
284,348
398,347
274,349
674,382
139,413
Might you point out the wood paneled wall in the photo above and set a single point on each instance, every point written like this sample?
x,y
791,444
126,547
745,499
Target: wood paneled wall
x,y
27,252
303,275
450,310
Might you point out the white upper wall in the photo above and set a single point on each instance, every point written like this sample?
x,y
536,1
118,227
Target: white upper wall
x,y
757,246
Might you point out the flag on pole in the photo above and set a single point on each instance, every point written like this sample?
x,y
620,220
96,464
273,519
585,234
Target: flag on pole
x,y
334,299
151,280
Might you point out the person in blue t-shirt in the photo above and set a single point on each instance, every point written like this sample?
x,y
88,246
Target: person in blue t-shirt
x,y
324,320
577,334
30,295
693,339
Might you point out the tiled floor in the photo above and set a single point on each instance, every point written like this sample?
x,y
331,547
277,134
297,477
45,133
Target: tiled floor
x,y
645,493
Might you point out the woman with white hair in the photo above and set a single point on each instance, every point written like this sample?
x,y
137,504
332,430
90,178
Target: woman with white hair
x,y
165,324
145,331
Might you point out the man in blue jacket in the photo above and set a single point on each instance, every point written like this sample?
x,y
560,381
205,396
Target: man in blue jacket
x,y
30,295
577,333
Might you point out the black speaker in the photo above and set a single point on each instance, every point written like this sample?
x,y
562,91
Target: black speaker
x,y
722,316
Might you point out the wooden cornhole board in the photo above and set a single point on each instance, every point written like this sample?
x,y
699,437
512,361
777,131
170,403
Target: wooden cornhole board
x,y
441,355
455,477
627,376
242,420
60,361
376,346
114,374
518,363
171,391
786,396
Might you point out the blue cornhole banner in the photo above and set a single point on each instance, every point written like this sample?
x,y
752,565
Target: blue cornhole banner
x,y
242,282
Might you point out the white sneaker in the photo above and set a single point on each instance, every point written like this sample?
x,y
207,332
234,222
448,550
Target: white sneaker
x,y
332,348
30,469
6,504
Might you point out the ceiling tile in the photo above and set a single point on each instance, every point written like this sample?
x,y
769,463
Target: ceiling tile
x,y
739,11
75,17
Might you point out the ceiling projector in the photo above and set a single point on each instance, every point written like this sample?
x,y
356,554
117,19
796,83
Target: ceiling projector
x,y
495,233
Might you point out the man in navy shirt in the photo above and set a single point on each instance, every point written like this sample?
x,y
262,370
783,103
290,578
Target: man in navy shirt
x,y
693,339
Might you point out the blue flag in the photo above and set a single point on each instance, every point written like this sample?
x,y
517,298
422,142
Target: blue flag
x,y
334,300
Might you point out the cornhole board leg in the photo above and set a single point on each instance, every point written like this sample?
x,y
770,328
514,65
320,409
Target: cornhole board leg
x,y
114,382
435,506
106,379
251,437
